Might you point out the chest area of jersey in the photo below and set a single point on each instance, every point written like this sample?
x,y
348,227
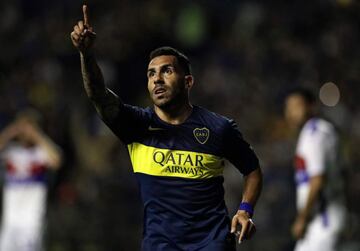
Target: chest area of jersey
x,y
193,137
24,164
188,152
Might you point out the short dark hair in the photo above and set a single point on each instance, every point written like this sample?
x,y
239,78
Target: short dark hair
x,y
169,51
305,93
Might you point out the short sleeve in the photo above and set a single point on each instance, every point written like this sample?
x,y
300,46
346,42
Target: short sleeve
x,y
316,149
238,151
130,123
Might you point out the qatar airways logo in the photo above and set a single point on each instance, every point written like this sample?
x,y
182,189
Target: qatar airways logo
x,y
184,163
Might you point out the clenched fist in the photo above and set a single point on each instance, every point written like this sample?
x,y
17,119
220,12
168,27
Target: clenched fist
x,y
83,36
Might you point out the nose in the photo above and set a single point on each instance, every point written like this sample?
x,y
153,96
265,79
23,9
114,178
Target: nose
x,y
158,78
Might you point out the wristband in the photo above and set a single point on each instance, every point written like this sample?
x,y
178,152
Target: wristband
x,y
247,207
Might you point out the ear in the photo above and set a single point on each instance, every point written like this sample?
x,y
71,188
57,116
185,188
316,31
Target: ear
x,y
189,81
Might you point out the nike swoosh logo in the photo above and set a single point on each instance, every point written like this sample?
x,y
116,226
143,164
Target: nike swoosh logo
x,y
155,128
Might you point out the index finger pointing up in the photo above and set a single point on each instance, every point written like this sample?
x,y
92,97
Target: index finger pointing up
x,y
86,15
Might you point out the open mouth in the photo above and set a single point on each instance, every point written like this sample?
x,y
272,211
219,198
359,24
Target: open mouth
x,y
159,91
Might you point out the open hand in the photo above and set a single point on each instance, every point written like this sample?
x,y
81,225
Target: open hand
x,y
83,36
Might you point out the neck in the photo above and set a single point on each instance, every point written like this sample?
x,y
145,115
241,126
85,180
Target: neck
x,y
174,115
307,118
300,125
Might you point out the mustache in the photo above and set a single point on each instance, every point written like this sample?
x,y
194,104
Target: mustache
x,y
159,82
159,85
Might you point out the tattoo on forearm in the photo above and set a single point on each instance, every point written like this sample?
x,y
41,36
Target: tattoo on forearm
x,y
92,77
105,101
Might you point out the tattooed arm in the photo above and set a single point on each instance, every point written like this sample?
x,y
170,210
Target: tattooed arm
x,y
105,101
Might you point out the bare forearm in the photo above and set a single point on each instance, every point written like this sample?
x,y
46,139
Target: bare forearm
x,y
316,184
104,100
251,193
252,187
52,150
92,77
7,135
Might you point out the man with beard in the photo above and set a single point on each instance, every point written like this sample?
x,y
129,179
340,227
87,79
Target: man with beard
x,y
177,151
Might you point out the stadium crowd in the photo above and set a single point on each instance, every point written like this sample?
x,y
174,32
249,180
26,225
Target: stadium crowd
x,y
245,55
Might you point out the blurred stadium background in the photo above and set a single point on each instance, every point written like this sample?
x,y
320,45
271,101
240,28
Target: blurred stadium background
x,y
245,56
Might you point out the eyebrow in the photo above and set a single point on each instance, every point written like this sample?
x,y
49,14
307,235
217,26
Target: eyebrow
x,y
161,67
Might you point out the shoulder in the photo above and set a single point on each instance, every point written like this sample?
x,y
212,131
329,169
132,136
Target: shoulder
x,y
318,126
318,129
130,122
213,119
130,115
145,112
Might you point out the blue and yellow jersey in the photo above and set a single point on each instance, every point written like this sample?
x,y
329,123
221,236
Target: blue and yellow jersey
x,y
179,169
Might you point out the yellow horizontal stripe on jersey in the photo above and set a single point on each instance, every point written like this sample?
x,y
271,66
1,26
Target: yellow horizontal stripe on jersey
x,y
174,163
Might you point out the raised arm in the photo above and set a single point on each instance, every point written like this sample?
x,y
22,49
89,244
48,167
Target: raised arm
x,y
6,135
33,133
105,101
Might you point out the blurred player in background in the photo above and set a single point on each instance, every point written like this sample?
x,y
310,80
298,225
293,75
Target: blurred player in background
x,y
26,153
177,151
318,176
